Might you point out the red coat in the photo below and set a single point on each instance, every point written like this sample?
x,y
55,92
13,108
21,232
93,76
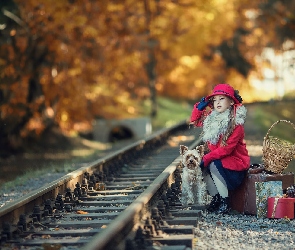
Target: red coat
x,y
234,155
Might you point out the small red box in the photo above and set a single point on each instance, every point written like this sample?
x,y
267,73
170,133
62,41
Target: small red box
x,y
280,207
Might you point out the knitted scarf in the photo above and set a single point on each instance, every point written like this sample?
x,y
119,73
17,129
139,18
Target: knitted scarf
x,y
215,124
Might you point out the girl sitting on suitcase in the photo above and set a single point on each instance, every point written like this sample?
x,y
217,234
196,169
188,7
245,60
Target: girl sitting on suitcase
x,y
225,164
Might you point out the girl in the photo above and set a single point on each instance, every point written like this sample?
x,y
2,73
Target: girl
x,y
222,117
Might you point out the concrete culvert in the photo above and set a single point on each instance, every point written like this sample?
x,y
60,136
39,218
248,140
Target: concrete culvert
x,y
113,130
120,133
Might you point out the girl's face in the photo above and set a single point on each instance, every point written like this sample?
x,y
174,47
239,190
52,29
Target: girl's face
x,y
221,103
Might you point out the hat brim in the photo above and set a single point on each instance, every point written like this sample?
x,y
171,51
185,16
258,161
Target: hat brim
x,y
232,97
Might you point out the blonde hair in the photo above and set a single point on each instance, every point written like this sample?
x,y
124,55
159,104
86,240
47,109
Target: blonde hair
x,y
230,127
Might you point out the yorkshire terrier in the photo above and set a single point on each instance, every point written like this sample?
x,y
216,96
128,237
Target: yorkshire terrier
x,y
193,190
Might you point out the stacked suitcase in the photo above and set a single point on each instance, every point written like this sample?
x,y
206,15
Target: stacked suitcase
x,y
243,199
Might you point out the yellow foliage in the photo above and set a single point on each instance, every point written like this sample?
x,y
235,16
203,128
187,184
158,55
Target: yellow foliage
x,y
90,31
99,57
190,61
64,116
80,20
75,71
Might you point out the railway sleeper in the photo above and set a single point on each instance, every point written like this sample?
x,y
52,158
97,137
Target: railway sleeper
x,y
169,227
100,197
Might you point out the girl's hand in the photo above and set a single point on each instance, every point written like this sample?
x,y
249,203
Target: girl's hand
x,y
203,104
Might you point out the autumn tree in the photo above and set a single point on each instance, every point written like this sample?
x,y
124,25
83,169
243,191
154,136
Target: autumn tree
x,y
62,62
67,62
203,28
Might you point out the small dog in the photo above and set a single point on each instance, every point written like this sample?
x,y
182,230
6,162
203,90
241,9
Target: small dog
x,y
193,189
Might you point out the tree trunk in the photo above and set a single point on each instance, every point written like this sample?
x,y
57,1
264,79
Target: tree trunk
x,y
150,66
150,70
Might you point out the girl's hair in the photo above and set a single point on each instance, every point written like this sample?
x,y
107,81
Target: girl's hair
x,y
237,96
231,122
230,127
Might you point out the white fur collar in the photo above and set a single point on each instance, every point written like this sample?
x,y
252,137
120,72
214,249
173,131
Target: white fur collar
x,y
215,124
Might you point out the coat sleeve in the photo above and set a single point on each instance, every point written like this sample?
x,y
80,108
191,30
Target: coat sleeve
x,y
222,151
197,116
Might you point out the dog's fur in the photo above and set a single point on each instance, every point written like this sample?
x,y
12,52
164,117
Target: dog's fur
x,y
193,189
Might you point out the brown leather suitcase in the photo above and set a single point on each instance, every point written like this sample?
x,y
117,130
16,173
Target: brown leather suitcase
x,y
243,199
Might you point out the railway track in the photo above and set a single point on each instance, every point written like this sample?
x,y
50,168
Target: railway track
x,y
126,200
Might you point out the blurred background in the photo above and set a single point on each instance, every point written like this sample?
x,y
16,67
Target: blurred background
x,y
68,65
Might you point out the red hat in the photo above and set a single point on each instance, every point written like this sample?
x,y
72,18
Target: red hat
x,y
223,89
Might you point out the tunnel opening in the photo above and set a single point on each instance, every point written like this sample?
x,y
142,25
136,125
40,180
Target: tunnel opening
x,y
120,133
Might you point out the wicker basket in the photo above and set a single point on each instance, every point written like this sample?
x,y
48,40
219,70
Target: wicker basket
x,y
277,153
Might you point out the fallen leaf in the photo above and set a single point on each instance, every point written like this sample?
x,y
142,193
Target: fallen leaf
x,y
81,212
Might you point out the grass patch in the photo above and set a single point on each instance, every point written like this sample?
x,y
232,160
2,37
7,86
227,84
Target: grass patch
x,y
170,112
267,114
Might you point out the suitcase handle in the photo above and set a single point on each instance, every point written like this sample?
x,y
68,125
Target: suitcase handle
x,y
256,168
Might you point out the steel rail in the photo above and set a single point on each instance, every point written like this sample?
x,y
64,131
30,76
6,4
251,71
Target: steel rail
x,y
10,213
127,221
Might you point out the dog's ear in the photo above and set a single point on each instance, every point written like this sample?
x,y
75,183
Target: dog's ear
x,y
183,149
201,150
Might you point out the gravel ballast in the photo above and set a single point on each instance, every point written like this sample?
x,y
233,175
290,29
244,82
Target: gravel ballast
x,y
247,232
